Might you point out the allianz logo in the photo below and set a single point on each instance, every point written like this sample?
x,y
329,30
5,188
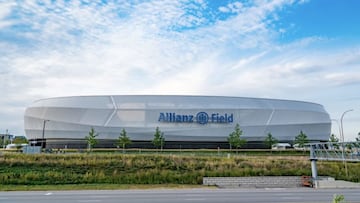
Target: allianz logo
x,y
200,117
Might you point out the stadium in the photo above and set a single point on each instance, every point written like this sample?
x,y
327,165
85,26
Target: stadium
x,y
186,121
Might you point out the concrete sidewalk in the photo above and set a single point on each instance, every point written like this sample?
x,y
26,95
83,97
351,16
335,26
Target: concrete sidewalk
x,y
332,183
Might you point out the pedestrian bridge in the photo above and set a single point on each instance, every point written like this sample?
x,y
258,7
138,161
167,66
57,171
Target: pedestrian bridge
x,y
335,151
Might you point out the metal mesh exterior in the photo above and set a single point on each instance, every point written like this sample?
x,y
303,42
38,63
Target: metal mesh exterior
x,y
139,115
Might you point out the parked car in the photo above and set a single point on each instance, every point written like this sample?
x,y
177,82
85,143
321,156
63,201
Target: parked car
x,y
16,146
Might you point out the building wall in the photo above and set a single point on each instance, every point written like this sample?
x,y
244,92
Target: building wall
x,y
5,139
139,115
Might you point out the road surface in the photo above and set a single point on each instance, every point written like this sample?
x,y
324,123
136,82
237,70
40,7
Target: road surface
x,y
292,195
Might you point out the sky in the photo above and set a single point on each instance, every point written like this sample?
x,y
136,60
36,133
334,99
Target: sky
x,y
307,50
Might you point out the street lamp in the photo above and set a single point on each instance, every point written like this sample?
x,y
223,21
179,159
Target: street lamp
x,y
43,133
342,136
341,123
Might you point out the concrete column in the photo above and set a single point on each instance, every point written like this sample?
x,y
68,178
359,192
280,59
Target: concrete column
x,y
314,173
314,169
313,160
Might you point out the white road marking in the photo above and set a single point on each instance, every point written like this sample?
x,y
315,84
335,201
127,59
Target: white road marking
x,y
275,188
195,199
285,194
193,195
291,198
49,193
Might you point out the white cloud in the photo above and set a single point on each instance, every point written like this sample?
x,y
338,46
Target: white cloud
x,y
343,78
235,7
160,47
5,11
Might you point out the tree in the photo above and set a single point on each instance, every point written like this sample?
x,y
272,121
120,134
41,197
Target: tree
x,y
349,146
91,139
159,139
234,138
123,140
19,140
270,140
357,140
334,140
4,141
301,139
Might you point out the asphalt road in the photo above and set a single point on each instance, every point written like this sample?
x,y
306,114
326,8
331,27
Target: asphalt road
x,y
293,195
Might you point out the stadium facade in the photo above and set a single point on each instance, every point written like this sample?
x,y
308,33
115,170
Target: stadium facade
x,y
186,121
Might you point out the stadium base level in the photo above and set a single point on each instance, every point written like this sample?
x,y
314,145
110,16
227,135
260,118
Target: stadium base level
x,y
81,144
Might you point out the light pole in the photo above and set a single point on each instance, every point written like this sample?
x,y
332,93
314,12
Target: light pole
x,y
341,123
342,137
43,134
337,122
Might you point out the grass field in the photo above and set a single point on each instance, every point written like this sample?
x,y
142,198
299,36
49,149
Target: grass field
x,y
107,170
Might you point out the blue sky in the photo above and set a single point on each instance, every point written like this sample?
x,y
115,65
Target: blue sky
x,y
305,50
331,19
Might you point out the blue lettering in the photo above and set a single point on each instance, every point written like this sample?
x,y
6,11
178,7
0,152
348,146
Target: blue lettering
x,y
230,119
214,117
179,118
171,117
161,117
191,118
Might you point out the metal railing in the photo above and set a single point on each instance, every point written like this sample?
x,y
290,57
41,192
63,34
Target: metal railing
x,y
335,151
